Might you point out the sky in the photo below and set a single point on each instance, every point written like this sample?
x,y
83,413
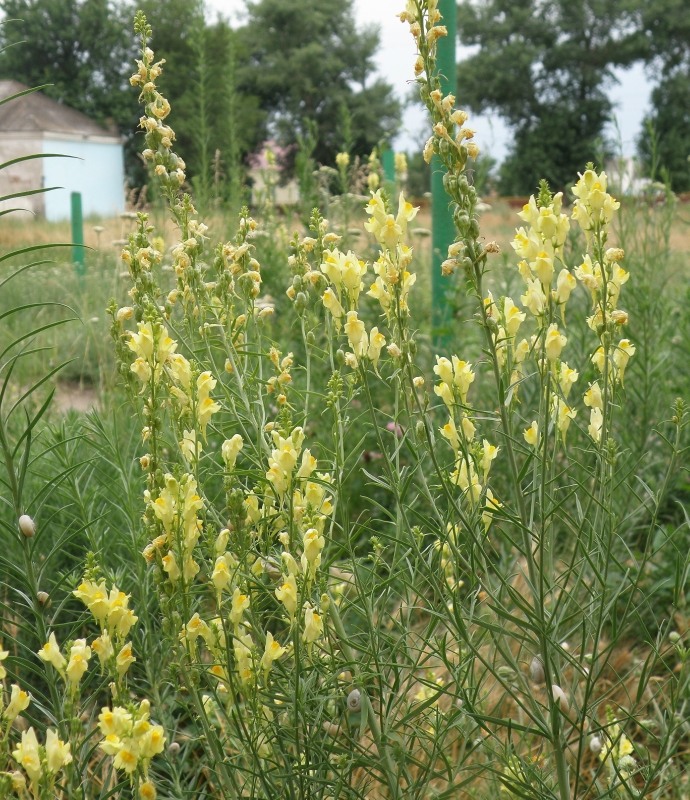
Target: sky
x,y
396,57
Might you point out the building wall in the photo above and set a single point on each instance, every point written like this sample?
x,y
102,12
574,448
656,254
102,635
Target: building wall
x,y
23,176
97,172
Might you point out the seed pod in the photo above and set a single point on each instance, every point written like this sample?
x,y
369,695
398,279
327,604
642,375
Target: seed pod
x,y
27,526
559,697
536,671
354,701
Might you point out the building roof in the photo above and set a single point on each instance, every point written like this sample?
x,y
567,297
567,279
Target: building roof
x,y
38,113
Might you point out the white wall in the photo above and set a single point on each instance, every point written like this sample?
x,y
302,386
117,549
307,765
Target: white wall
x,y
98,173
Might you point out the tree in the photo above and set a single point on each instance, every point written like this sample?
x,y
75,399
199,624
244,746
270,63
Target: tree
x,y
664,144
309,63
544,66
83,48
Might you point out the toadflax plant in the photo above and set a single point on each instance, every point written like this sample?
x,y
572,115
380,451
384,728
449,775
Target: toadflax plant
x,y
453,627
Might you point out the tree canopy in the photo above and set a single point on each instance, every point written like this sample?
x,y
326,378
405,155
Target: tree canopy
x,y
310,64
545,66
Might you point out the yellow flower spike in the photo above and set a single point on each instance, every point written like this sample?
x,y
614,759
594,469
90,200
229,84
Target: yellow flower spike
x,y
50,653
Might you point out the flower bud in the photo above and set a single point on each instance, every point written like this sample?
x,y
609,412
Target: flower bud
x,y
27,526
559,697
43,598
536,670
595,745
354,701
173,748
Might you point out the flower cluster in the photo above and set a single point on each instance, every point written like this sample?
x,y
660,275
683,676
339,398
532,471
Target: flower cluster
x,y
603,277
132,740
177,509
41,763
472,460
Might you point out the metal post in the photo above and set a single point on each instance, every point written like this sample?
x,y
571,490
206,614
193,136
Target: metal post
x,y
388,162
77,235
442,228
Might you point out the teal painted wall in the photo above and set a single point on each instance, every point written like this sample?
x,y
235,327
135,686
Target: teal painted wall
x,y
97,172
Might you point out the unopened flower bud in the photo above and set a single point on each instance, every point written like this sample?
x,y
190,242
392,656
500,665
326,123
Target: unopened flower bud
x,y
559,697
27,526
595,745
354,701
173,748
536,670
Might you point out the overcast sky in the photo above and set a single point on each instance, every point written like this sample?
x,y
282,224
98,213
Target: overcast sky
x,y
395,59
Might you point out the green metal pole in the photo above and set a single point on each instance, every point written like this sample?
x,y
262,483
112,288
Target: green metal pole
x,y
77,235
388,162
442,228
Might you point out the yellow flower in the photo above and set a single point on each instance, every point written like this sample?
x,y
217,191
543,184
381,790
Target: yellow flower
x,y
127,757
95,598
621,356
147,791
114,722
313,544
230,450
287,594
489,453
593,397
240,603
50,653
554,343
3,656
596,421
103,647
531,434
58,753
124,659
313,625
19,701
78,663
152,741
513,316
356,334
272,652
331,302
377,342
221,574
27,755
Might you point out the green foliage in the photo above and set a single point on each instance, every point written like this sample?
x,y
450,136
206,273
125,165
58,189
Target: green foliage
x,y
665,143
544,67
306,61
